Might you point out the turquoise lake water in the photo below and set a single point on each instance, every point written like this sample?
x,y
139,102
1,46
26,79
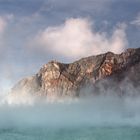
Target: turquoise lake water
x,y
87,133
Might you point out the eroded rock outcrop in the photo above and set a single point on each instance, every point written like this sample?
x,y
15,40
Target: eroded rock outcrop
x,y
58,80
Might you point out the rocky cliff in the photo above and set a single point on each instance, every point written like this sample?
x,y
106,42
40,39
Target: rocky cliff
x,y
95,73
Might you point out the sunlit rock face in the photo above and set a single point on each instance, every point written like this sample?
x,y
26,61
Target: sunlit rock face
x,y
99,73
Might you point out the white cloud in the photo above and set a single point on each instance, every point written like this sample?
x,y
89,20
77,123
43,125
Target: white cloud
x,y
2,24
136,21
75,38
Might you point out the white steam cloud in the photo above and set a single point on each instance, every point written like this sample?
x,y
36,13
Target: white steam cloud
x,y
76,38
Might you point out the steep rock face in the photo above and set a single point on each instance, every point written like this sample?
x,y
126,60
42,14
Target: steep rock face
x,y
56,79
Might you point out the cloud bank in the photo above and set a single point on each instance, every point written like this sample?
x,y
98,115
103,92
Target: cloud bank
x,y
136,21
76,38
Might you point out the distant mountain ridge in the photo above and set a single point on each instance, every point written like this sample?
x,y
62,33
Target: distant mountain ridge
x,y
102,72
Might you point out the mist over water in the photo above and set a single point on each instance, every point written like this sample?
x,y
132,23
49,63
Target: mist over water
x,y
103,117
95,111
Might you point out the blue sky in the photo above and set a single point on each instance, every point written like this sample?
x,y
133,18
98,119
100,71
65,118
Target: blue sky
x,y
32,32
